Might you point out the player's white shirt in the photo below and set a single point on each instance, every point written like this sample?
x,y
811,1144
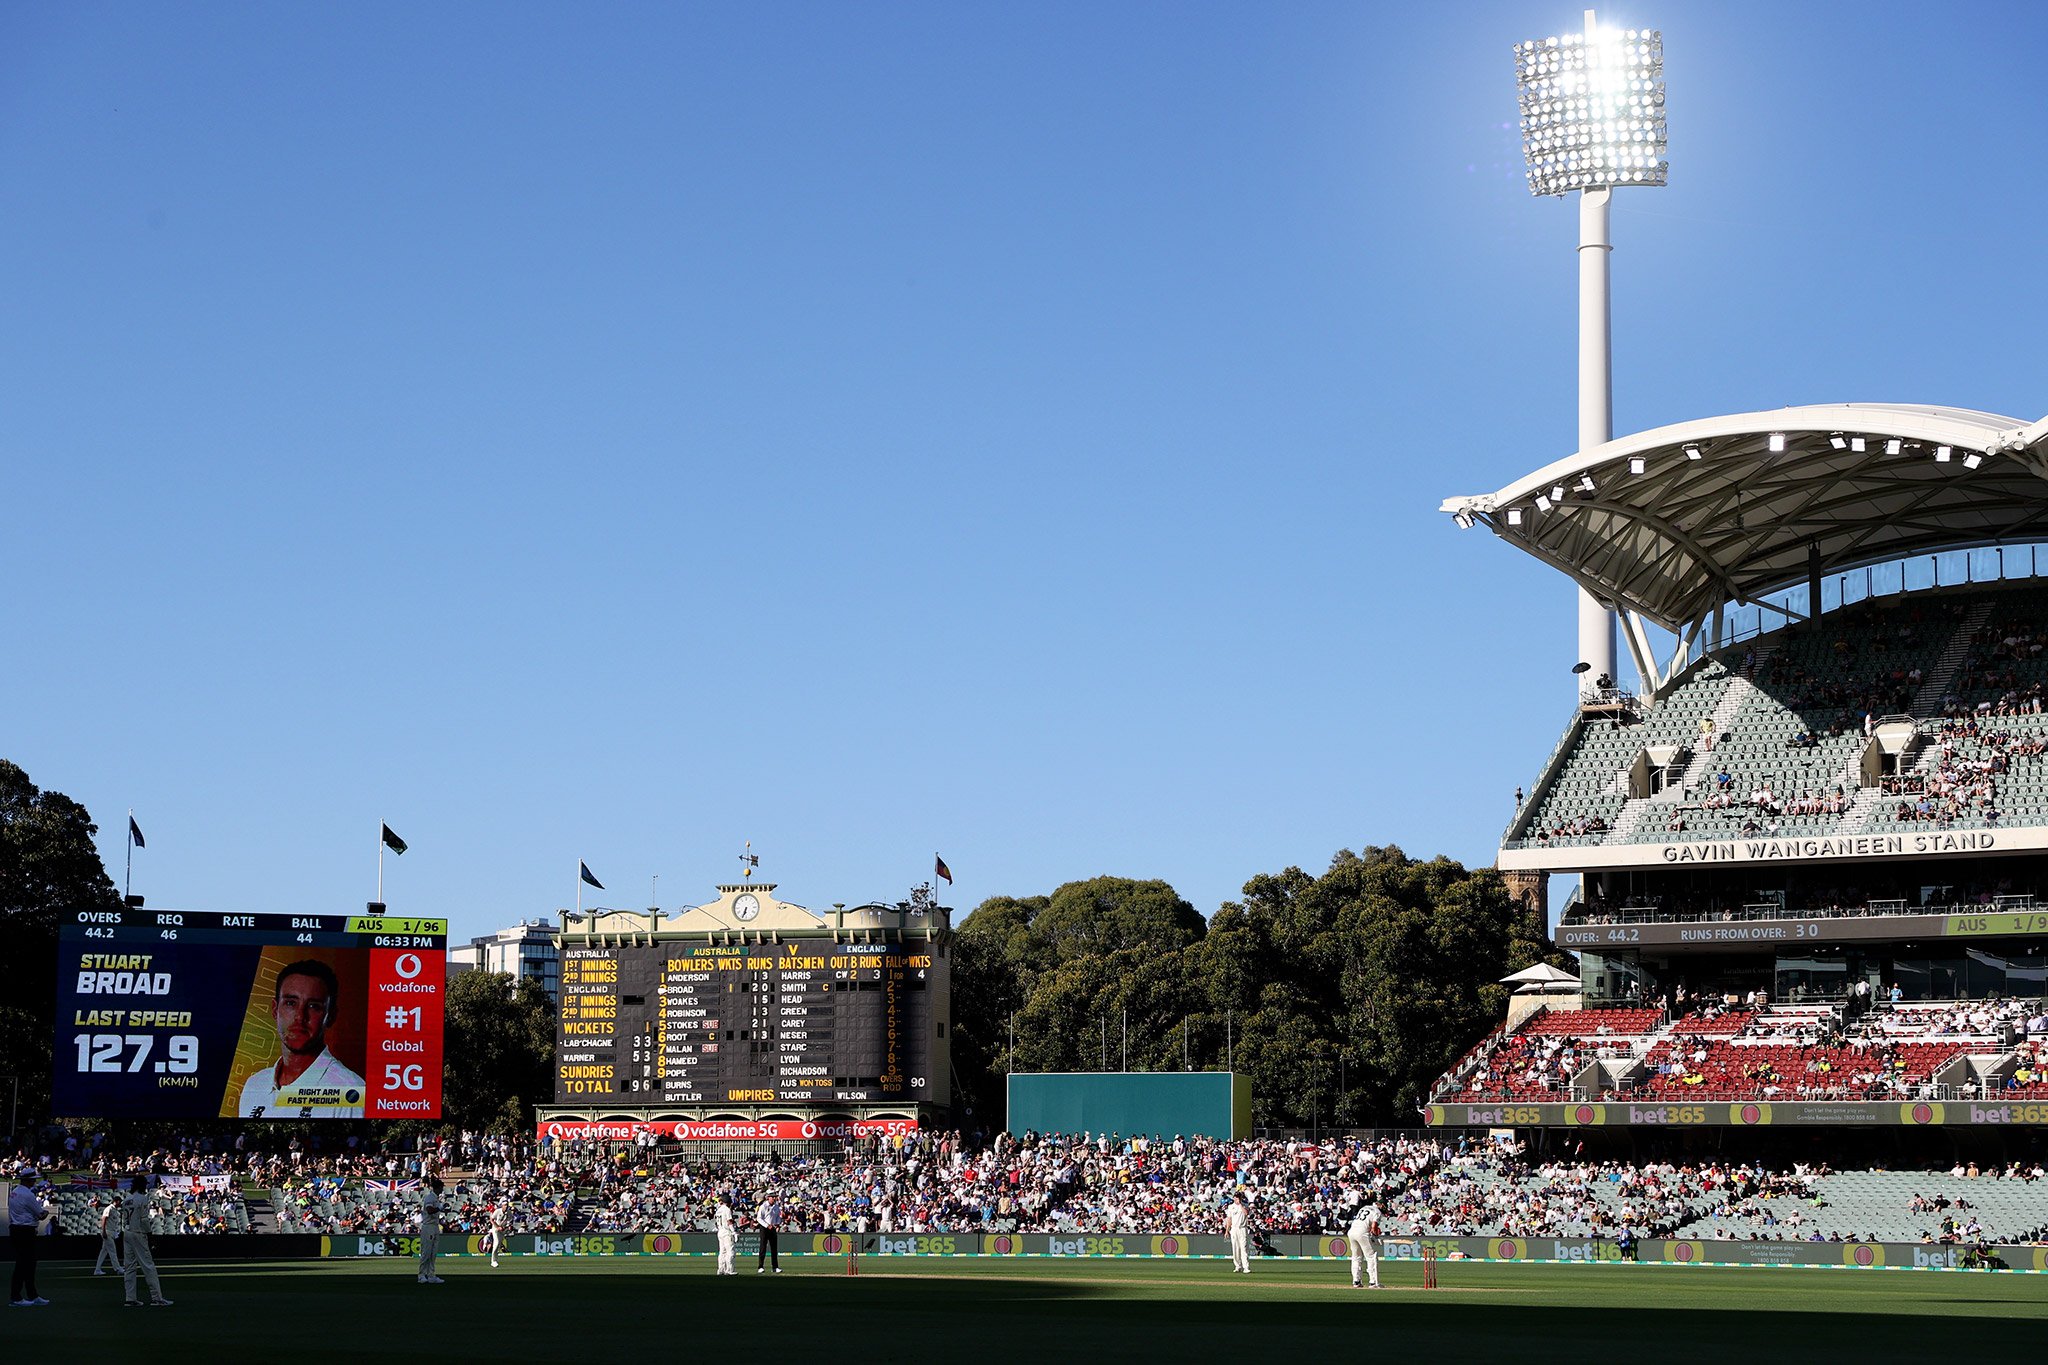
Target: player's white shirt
x,y
326,1080
430,1210
1364,1226
721,1218
135,1212
498,1219
1235,1217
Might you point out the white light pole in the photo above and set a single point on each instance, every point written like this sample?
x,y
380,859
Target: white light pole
x,y
1593,119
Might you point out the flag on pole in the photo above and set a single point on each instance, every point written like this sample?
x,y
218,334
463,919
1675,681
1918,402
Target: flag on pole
x,y
584,868
391,840
939,869
135,832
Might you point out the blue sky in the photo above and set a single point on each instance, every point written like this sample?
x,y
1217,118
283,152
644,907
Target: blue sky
x,y
619,432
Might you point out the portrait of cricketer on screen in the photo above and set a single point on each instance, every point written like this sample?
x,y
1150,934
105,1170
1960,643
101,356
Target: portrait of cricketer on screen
x,y
297,1075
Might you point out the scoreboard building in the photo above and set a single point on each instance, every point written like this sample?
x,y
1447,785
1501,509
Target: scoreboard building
x,y
750,1018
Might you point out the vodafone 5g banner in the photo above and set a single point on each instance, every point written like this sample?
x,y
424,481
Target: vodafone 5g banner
x,y
187,1014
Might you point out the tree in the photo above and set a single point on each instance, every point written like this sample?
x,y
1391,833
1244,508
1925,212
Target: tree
x,y
990,978
48,865
498,1049
1109,914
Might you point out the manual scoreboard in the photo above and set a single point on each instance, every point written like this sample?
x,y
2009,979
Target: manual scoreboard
x,y
806,1021
180,1014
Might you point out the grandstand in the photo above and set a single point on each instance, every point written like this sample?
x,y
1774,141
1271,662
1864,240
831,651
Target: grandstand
x,y
1812,841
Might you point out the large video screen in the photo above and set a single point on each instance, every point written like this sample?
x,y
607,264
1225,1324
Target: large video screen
x,y
190,1014
802,1022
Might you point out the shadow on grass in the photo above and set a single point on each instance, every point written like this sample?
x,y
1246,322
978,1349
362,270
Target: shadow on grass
x,y
331,1311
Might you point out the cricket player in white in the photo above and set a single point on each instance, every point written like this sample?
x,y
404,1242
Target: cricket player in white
x,y
494,1235
430,1228
1237,1219
728,1240
110,1228
1364,1236
136,1257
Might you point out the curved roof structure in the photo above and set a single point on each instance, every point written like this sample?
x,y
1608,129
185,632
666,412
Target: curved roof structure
x,y
1672,523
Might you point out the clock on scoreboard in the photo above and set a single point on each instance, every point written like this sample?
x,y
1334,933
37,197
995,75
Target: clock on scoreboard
x,y
191,1014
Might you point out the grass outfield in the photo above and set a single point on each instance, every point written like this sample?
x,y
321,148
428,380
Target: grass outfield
x,y
926,1310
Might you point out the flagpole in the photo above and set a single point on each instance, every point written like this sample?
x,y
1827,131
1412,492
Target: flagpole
x,y
579,888
128,874
380,861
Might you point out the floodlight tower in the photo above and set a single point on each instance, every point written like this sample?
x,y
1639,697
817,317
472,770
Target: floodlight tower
x,y
1592,121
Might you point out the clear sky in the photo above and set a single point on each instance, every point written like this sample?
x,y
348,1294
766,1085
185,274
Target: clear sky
x,y
622,431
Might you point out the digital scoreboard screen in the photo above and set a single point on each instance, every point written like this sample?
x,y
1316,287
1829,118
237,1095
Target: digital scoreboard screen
x,y
701,1023
189,1014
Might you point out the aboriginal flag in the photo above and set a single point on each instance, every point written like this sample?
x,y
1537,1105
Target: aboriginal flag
x,y
939,869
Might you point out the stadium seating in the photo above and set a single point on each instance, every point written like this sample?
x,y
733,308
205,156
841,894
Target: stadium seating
x,y
1790,708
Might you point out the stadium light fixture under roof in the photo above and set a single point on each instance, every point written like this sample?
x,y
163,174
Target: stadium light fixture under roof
x,y
1593,110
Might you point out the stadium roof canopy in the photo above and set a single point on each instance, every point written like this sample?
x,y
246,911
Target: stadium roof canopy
x,y
1670,525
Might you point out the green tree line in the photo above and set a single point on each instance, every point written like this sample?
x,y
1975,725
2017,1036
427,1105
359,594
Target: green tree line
x,y
1342,997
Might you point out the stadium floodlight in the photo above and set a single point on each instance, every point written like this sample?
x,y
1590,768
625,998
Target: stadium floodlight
x,y
1585,483
1592,109
1542,503
1557,492
1636,465
1942,454
1514,516
1592,119
1893,446
1972,460
1857,444
1692,452
1839,441
1777,442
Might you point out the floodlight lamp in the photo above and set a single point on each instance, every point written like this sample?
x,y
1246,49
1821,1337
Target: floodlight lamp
x,y
1514,516
1856,444
1893,446
1462,519
1585,483
1542,503
1635,464
1592,110
1972,460
1692,452
1839,441
1942,454
1557,492
1777,442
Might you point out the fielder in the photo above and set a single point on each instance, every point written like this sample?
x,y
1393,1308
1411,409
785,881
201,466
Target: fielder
x,y
1364,1236
494,1233
430,1228
728,1239
136,1257
1237,1220
110,1229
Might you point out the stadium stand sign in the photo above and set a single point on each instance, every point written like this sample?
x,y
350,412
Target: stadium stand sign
x,y
1746,1114
1766,849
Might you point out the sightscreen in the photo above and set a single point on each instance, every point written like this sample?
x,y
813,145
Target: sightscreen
x,y
191,1014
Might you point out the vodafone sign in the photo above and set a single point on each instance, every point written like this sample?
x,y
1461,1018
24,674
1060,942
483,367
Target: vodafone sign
x,y
724,1130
